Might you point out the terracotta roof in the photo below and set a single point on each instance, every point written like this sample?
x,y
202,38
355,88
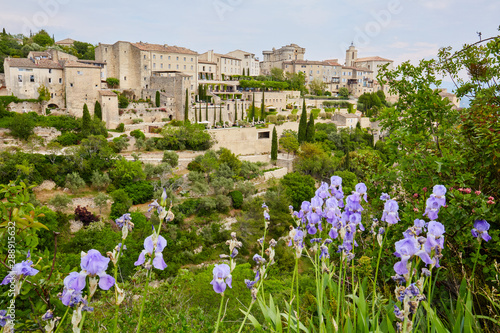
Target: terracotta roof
x,y
206,62
76,64
91,62
27,63
333,62
307,62
66,41
163,48
40,54
226,56
106,93
372,59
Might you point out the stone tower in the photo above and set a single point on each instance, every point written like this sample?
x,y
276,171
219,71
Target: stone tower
x,y
351,54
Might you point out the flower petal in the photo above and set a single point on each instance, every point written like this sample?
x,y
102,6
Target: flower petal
x,y
141,259
106,281
158,261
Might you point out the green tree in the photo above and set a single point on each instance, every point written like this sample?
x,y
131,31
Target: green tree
x,y
277,74
303,124
263,106
74,182
126,172
310,129
86,125
344,92
60,201
21,126
113,82
317,86
43,39
186,107
274,146
100,180
235,111
171,158
123,101
98,110
289,142
43,93
298,188
101,200
252,109
206,111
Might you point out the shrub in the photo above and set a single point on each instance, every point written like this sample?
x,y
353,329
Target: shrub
x,y
189,206
84,216
100,180
121,203
67,139
74,182
328,115
222,203
272,119
60,201
137,121
138,134
140,192
292,117
113,82
207,206
121,127
122,101
237,198
171,158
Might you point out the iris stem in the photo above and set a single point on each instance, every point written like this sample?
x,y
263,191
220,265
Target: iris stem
x,y
291,297
297,285
474,268
251,304
220,311
338,288
144,300
376,275
115,329
62,320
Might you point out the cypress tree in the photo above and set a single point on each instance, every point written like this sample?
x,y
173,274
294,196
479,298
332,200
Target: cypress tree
x,y
235,111
186,107
252,109
86,121
199,115
206,111
3,32
98,110
310,129
248,72
157,99
303,124
274,146
215,115
220,113
195,116
262,106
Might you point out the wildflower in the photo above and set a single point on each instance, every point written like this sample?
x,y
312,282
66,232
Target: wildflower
x,y
48,315
95,264
438,192
361,191
480,229
432,208
222,276
405,249
385,197
467,190
258,259
426,272
399,279
415,195
72,292
4,318
250,283
163,198
154,243
390,214
272,243
125,223
264,206
478,192
20,270
491,202
155,205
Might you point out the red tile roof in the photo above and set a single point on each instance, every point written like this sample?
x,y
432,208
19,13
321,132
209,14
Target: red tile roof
x,y
163,48
27,63
372,59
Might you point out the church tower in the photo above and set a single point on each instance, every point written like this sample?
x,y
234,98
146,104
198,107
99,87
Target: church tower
x,y
351,55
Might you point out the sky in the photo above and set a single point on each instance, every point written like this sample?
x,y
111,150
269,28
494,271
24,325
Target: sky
x,y
395,29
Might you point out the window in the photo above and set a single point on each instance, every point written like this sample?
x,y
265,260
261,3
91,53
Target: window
x,y
192,67
191,59
169,66
154,65
32,78
154,56
144,56
203,69
124,78
50,70
177,66
176,58
161,65
60,80
161,56
105,49
79,72
50,80
168,57
20,78
184,58
71,84
264,135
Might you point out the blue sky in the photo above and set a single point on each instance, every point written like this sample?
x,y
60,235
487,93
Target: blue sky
x,y
395,29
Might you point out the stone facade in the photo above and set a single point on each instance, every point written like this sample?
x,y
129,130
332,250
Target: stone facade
x,y
275,58
249,63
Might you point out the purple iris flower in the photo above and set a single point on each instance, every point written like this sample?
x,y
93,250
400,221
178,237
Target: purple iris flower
x,y
405,249
390,214
439,192
361,191
73,286
155,205
435,231
222,276
336,182
163,197
48,315
432,206
385,197
316,240
250,283
4,317
157,244
258,259
323,191
311,229
22,269
264,206
353,203
95,264
324,252
333,233
266,215
481,228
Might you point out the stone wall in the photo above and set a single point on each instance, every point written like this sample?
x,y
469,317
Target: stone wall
x,y
24,107
47,133
280,173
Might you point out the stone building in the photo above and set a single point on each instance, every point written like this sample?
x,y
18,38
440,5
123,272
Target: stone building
x,y
134,63
226,65
249,63
275,58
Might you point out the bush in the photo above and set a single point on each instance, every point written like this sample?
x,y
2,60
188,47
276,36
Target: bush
x,y
60,201
292,117
84,216
138,134
222,203
171,158
74,182
121,203
272,119
207,206
122,101
189,206
100,180
140,192
67,139
237,198
121,128
298,188
137,121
